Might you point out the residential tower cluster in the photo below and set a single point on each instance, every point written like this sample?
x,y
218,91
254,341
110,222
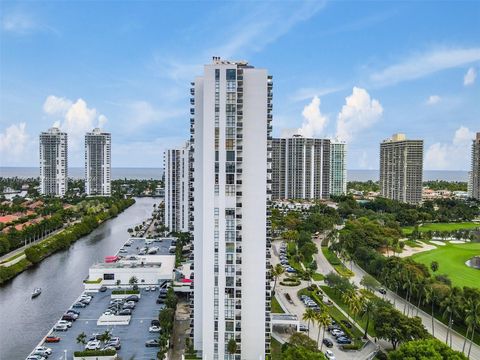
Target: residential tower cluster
x,y
54,163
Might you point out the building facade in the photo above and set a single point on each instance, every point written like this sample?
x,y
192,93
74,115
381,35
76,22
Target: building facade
x,y
474,181
300,168
176,165
98,163
338,168
231,149
53,162
401,169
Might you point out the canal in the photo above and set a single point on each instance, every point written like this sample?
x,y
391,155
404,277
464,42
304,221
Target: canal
x,y
23,321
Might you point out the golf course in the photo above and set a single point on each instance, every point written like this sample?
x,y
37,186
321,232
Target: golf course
x,y
451,259
407,230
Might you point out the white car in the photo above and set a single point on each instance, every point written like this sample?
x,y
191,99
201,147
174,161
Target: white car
x,y
60,327
64,322
147,288
93,345
45,349
154,329
329,355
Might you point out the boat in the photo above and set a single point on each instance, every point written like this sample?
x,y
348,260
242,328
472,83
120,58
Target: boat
x,y
36,292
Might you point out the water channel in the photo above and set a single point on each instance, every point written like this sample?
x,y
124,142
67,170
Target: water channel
x,y
23,321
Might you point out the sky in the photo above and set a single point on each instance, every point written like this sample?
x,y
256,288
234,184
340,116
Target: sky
x,y
356,71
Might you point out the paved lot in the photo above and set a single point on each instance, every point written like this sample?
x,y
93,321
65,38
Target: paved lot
x,y
163,246
132,337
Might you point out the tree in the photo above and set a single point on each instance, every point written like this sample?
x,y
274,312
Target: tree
x,y
367,310
277,271
430,298
105,336
370,283
425,349
82,338
434,266
323,320
449,305
232,346
309,315
472,319
392,325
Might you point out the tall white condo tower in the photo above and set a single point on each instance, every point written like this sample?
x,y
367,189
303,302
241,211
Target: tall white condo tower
x,y
98,163
53,162
231,144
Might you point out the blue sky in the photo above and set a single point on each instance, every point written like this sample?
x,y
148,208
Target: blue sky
x,y
360,71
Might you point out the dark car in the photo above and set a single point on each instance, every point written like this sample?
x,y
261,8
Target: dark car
x,y
327,343
73,311
344,340
125,312
79,305
152,343
128,306
68,317
346,323
160,301
154,323
102,288
132,298
52,339
382,291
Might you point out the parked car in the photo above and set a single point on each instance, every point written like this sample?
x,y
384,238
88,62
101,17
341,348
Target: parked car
x,y
132,298
382,291
47,350
69,317
329,355
36,357
41,353
344,340
102,288
114,342
327,342
64,322
93,345
155,322
152,343
79,305
60,327
291,270
73,312
302,327
125,312
154,329
52,339
147,288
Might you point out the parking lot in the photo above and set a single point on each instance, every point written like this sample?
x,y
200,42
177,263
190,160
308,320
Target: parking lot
x,y
132,336
163,245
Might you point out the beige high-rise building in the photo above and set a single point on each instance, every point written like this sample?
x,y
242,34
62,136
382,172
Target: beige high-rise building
x,y
53,162
401,169
474,181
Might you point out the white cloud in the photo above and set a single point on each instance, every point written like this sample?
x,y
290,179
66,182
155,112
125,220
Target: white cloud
x,y
424,64
433,99
13,142
314,121
76,117
450,156
142,113
307,93
23,23
359,113
470,77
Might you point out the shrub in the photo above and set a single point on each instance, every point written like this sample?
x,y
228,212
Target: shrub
x,y
89,353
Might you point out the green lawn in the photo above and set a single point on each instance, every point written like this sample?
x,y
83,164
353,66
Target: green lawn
x,y
336,263
318,277
407,230
276,349
276,308
451,259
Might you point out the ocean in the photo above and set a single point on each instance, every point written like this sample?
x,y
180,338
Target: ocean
x,y
157,173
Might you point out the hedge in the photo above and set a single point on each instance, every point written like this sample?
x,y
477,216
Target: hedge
x,y
123,292
88,353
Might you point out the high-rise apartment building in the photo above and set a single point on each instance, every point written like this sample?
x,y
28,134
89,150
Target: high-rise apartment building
x,y
338,168
176,165
230,134
301,168
53,162
401,169
474,181
98,163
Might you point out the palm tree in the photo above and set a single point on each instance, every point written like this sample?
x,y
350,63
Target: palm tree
x,y
106,336
350,298
82,338
308,316
277,271
472,319
449,309
368,309
323,320
430,298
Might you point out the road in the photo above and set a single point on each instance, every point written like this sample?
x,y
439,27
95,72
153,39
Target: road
x,y
298,308
400,303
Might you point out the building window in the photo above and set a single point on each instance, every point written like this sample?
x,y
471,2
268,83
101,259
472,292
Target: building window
x,y
108,276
